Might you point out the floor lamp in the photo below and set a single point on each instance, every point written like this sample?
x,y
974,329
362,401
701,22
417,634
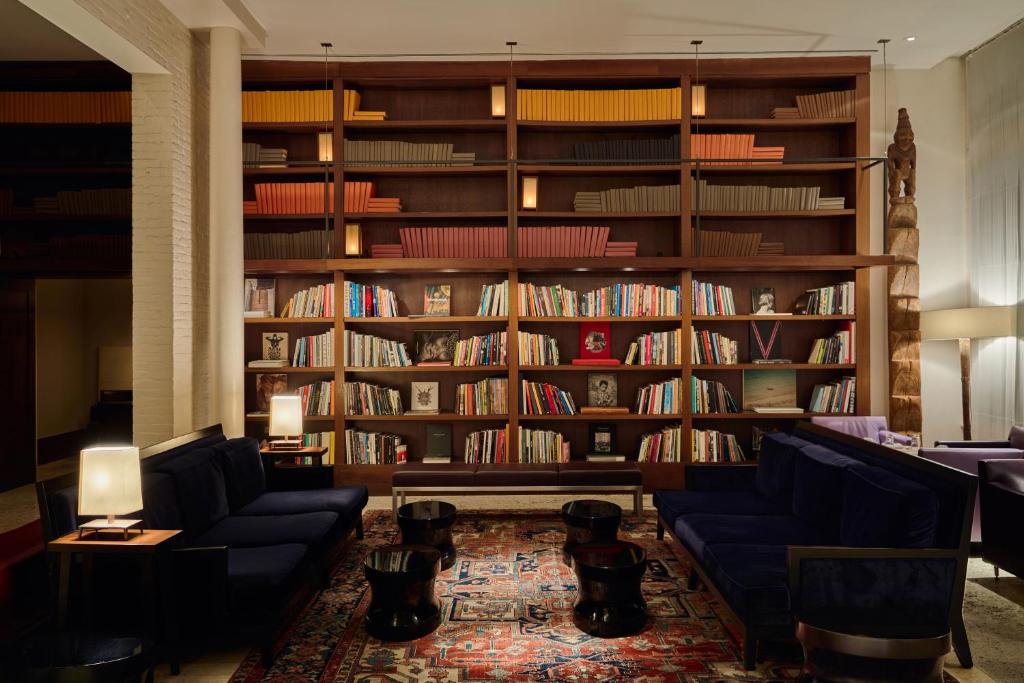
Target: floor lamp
x,y
963,325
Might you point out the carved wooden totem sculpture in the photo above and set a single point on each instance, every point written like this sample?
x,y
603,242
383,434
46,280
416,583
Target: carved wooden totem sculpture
x,y
904,304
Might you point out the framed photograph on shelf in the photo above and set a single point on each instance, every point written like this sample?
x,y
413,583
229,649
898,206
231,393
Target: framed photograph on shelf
x,y
437,300
595,340
602,390
275,345
424,398
435,347
762,300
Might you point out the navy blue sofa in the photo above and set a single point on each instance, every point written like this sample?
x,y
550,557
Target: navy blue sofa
x,y
826,524
245,551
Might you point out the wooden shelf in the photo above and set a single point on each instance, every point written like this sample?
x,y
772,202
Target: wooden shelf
x,y
787,263
737,367
429,320
601,417
285,216
599,264
600,215
403,216
597,125
289,127
773,169
770,124
785,318
290,321
426,265
822,213
430,124
600,368
305,418
750,415
429,369
479,169
437,417
327,369
597,169
311,169
601,318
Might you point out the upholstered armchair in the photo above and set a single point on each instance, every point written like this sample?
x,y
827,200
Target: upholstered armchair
x,y
1015,439
1001,484
874,428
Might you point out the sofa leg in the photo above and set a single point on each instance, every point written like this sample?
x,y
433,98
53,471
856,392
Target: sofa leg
x,y
693,582
749,652
359,527
995,569
661,530
960,644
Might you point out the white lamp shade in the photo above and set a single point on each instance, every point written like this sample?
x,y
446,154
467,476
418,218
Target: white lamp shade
x,y
497,101
325,146
969,323
285,415
698,100
109,481
530,183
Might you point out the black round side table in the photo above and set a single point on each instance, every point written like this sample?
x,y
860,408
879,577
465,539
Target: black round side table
x,y
402,601
429,522
589,521
610,602
79,658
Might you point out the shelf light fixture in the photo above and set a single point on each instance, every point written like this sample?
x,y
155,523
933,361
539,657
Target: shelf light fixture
x,y
497,101
530,183
698,91
325,145
353,240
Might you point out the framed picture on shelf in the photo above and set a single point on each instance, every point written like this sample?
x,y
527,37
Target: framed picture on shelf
x,y
766,341
268,385
595,340
602,438
437,300
259,297
769,389
424,398
275,345
435,347
602,390
762,300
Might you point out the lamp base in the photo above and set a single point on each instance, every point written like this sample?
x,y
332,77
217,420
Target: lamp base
x,y
108,526
286,445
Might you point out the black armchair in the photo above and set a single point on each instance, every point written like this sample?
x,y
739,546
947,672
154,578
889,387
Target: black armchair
x,y
1001,487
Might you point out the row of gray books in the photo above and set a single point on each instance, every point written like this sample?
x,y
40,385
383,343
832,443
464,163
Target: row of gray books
x,y
651,198
255,155
397,153
762,198
288,245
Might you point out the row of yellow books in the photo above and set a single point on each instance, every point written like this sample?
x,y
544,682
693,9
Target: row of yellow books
x,y
287,106
65,107
653,104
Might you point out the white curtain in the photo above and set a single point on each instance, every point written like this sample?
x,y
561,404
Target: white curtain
x,y
995,156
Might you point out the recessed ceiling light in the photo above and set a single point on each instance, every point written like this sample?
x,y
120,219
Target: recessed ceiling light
x,y
910,39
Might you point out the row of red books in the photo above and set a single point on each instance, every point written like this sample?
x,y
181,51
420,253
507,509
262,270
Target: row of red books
x,y
489,243
733,146
386,251
620,249
563,240
302,198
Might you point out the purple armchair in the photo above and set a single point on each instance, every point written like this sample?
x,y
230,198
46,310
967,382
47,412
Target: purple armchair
x,y
872,427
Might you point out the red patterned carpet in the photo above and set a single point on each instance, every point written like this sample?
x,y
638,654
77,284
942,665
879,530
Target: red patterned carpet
x,y
507,607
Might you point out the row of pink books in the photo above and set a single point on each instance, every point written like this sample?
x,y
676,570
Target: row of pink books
x,y
620,249
733,146
563,240
488,242
386,251
473,242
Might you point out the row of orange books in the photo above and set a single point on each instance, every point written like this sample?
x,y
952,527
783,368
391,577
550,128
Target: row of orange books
x,y
733,146
306,198
65,107
651,104
359,198
279,106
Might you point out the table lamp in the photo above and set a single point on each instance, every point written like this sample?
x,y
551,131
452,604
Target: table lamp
x,y
285,421
965,324
109,484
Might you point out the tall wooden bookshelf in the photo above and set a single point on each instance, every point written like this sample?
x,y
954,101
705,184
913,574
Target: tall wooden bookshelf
x,y
450,102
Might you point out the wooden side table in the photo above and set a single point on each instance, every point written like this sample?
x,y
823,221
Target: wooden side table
x,y
153,548
284,474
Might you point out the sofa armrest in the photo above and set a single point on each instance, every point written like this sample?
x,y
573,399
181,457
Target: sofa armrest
x,y
201,585
717,477
858,583
1001,511
973,444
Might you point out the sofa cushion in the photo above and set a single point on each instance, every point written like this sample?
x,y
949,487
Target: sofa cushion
x,y
160,501
699,530
513,474
347,501
775,464
818,488
599,474
1017,437
885,510
419,474
672,504
308,528
262,575
244,478
199,485
753,579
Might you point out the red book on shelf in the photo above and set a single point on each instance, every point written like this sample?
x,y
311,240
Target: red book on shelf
x,y
596,361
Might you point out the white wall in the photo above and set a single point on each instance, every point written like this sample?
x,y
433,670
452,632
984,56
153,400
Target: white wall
x,y
935,101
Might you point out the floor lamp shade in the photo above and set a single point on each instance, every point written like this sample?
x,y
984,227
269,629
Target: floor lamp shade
x,y
969,323
109,481
285,415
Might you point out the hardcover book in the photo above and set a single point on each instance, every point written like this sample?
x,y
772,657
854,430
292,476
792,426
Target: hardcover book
x,y
439,441
437,300
275,345
595,340
602,439
765,340
435,347
424,398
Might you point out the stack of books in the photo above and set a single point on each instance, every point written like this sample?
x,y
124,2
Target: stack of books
x,y
834,397
712,299
838,104
255,155
65,107
314,351
288,245
665,149
563,241
652,104
362,115
369,351
373,448
537,349
493,300
771,248
383,205
547,300
714,446
620,249
356,195
785,113
386,251
542,446
839,348
487,446
754,198
482,349
712,348
114,201
725,243
317,398
767,156
625,300
449,242
350,103
280,106
644,198
293,198
717,146
362,398
540,398
831,203
369,301
396,153
315,302
660,398
834,300
487,397
656,348
709,396
665,445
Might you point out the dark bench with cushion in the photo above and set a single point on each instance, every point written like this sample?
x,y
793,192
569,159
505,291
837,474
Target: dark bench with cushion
x,y
245,550
825,523
520,479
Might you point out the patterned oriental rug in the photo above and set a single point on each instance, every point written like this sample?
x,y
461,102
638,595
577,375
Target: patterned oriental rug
x,y
507,606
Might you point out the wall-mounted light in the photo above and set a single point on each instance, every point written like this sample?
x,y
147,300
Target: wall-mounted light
x,y
498,101
325,145
530,191
698,100
353,240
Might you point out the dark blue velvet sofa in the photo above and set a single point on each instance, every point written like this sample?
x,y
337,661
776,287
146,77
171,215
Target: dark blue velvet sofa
x,y
826,524
245,552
